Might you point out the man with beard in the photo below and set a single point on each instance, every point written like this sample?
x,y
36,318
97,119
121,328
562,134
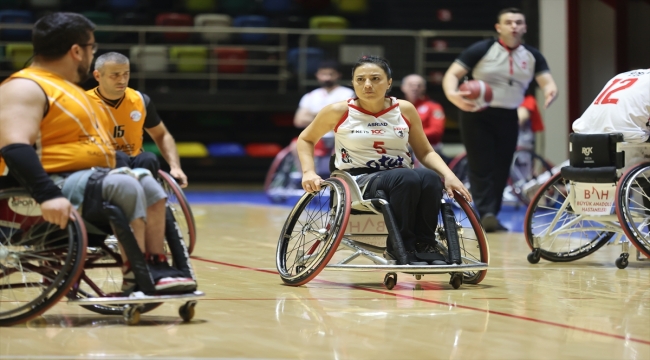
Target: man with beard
x,y
53,140
329,92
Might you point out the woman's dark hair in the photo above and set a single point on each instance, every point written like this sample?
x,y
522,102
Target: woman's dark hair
x,y
373,59
54,34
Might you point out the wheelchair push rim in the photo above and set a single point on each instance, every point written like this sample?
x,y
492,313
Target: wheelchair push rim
x,y
633,206
179,205
39,264
310,236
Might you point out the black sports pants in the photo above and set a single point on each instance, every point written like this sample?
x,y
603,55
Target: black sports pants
x,y
414,196
490,139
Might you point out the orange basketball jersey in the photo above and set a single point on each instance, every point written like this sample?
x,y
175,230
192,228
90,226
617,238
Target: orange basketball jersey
x,y
126,120
72,135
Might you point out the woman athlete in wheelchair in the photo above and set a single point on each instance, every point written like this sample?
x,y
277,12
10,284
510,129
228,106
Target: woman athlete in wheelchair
x,y
372,134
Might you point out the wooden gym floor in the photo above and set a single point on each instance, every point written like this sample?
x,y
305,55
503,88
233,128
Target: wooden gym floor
x,y
587,309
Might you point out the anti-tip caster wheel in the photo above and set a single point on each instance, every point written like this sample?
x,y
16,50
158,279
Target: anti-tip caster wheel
x,y
132,314
418,277
533,257
186,311
622,261
390,280
456,280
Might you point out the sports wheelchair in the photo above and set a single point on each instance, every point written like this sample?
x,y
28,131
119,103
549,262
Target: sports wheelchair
x,y
41,263
602,197
338,218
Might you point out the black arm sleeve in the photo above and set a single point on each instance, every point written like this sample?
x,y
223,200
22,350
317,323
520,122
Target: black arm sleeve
x,y
152,119
26,168
540,62
473,54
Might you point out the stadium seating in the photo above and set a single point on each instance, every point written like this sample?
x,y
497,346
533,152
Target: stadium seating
x,y
314,57
329,22
276,6
252,21
263,149
19,54
313,6
123,5
175,19
231,59
198,6
351,6
237,7
191,149
214,21
189,58
101,18
149,58
15,17
226,149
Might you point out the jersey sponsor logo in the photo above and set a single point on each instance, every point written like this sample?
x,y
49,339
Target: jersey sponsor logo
x,y
359,132
422,109
378,124
135,115
345,157
385,163
438,114
377,132
400,131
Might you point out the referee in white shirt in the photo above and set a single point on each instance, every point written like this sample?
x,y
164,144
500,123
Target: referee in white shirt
x,y
490,136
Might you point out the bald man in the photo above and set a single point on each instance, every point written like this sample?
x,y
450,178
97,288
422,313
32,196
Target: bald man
x,y
414,88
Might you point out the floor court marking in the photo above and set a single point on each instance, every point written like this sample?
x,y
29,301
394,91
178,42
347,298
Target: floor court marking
x,y
437,302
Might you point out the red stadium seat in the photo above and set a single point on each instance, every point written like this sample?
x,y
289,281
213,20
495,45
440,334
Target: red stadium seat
x,y
231,59
263,149
175,19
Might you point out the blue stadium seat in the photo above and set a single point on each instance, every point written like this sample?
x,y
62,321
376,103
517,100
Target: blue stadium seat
x,y
226,149
276,6
121,5
16,17
252,21
314,57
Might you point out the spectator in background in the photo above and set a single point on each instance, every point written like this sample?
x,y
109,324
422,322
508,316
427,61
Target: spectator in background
x,y
432,114
329,92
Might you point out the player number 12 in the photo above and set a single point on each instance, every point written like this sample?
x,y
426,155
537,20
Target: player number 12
x,y
605,95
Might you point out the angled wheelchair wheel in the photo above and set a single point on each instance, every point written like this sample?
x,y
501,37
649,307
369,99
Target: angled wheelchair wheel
x,y
177,202
280,182
39,262
471,237
554,231
633,206
526,166
312,232
102,278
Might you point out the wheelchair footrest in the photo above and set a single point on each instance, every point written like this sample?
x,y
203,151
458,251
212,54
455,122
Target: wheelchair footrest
x,y
136,298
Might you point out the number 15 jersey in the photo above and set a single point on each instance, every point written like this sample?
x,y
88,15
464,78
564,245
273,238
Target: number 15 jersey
x,y
376,141
623,106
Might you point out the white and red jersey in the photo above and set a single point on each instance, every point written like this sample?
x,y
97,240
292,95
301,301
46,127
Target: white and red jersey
x,y
623,106
376,141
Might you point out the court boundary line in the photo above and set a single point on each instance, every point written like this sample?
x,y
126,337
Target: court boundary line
x,y
438,302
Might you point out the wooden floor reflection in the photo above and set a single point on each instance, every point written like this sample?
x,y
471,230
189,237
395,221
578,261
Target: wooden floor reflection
x,y
584,309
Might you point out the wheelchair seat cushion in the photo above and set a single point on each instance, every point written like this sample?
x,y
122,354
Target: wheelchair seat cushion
x,y
595,150
601,175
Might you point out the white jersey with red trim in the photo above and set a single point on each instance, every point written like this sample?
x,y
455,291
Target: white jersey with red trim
x,y
623,106
377,141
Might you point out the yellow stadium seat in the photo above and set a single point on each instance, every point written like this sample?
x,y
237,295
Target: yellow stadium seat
x,y
18,54
351,6
189,58
329,22
191,149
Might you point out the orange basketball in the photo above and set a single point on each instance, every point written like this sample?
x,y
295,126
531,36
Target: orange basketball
x,y
478,89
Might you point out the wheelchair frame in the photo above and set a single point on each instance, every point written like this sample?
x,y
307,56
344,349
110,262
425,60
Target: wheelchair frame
x,y
365,249
613,226
62,270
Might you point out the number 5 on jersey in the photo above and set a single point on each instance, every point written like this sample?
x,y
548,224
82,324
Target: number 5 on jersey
x,y
379,146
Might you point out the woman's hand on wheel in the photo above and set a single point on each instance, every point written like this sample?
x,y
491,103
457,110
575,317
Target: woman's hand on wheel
x,y
452,183
311,181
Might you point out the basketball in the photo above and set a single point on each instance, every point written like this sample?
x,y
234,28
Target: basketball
x,y
479,90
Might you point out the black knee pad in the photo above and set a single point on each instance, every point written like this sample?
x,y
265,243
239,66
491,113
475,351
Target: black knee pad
x,y
122,230
177,247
